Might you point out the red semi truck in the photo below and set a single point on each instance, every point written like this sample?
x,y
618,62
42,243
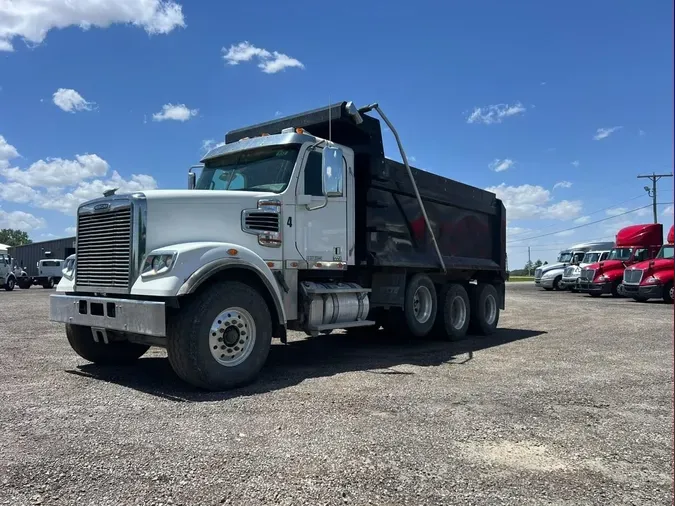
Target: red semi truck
x,y
652,279
634,244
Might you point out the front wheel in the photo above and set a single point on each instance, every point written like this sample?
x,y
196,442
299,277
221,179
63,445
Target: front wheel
x,y
221,337
49,284
10,284
556,283
113,353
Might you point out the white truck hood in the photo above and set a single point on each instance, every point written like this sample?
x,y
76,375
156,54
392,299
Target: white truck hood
x,y
552,267
183,216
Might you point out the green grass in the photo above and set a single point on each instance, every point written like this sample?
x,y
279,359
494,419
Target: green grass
x,y
520,279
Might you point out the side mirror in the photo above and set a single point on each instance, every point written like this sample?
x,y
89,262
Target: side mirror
x,y
192,180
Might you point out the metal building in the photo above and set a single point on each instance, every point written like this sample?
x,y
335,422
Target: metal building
x,y
27,256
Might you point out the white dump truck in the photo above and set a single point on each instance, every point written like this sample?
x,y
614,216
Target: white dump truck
x,y
550,277
296,224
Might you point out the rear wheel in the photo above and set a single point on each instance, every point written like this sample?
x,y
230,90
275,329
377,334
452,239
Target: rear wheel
x,y
668,293
454,315
484,310
221,338
420,305
113,353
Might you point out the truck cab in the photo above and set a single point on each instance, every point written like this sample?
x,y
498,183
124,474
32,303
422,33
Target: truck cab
x,y
551,277
652,279
7,274
572,272
634,244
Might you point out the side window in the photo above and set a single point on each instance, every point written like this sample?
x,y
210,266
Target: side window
x,y
313,174
334,180
641,255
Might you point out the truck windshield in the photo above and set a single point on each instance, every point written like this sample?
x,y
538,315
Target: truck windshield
x,y
666,251
262,169
565,256
590,258
622,254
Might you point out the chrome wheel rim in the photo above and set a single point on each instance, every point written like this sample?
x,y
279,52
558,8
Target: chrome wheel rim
x,y
671,292
422,304
490,309
458,313
232,336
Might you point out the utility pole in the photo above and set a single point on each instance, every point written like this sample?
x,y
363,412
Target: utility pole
x,y
529,262
652,191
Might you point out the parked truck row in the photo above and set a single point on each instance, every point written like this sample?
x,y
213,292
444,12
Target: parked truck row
x,y
300,223
638,264
46,273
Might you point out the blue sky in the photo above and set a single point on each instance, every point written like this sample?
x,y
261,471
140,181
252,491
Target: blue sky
x,y
555,107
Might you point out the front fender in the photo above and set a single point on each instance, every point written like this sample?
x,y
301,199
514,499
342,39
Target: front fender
x,y
197,262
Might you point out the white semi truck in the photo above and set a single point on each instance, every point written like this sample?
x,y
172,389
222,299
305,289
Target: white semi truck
x,y
296,224
550,277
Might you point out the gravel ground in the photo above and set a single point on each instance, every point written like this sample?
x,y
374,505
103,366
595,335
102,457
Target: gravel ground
x,y
569,404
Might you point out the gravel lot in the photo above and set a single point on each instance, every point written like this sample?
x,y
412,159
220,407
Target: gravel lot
x,y
570,403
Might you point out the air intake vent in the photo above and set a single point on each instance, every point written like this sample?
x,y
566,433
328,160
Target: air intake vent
x,y
260,221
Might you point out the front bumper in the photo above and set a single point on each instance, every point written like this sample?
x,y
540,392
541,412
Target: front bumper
x,y
643,291
568,283
135,316
589,287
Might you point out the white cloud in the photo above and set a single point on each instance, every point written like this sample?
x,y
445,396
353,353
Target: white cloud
x,y
7,152
575,163
70,230
58,172
20,220
582,220
564,233
534,202
178,112
498,165
209,144
31,20
616,211
642,133
269,62
668,211
562,184
494,113
65,183
70,100
603,133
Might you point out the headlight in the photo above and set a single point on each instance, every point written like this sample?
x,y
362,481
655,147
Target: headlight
x,y
159,263
68,270
651,280
602,278
548,275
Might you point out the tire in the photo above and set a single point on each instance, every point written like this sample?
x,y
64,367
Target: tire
x,y
49,284
548,289
596,295
24,284
556,283
454,317
193,339
615,289
11,283
420,306
668,293
113,353
640,299
484,310
574,290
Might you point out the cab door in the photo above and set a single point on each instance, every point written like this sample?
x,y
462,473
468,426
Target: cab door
x,y
321,218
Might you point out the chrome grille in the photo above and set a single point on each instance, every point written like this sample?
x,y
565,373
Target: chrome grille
x,y
587,274
104,248
537,273
632,276
262,221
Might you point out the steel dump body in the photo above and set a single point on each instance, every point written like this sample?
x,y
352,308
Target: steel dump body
x,y
469,223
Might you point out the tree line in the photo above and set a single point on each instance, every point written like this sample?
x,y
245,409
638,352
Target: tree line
x,y
14,237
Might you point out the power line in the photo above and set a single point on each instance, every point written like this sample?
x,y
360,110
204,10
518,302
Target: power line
x,y
596,212
654,177
587,224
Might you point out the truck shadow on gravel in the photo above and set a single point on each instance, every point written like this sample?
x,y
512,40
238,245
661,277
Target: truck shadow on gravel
x,y
322,356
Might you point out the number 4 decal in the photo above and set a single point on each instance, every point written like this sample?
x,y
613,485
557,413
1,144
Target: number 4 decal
x,y
289,222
